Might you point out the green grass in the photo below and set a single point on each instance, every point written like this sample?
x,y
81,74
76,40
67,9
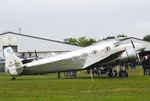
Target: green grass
x,y
48,88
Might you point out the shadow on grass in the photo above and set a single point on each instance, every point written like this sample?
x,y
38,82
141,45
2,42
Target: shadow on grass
x,y
41,78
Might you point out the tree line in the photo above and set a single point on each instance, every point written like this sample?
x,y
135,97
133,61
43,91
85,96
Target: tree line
x,y
84,41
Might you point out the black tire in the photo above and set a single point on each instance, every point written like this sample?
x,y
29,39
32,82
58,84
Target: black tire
x,y
123,74
13,78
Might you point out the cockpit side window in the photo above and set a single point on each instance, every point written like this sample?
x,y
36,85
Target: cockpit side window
x,y
95,52
108,48
116,44
85,55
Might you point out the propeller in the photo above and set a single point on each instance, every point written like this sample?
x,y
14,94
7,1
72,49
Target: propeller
x,y
137,55
136,51
29,53
36,55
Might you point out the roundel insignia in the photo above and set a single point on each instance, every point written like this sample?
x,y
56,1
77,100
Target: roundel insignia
x,y
8,51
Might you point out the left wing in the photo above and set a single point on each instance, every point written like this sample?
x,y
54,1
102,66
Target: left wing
x,y
103,57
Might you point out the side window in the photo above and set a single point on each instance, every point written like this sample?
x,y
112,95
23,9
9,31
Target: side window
x,y
108,48
116,44
76,58
95,52
85,55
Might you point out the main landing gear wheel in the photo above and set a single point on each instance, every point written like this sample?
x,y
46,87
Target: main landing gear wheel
x,y
113,73
13,78
123,74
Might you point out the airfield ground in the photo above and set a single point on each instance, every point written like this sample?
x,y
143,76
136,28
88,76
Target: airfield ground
x,y
48,88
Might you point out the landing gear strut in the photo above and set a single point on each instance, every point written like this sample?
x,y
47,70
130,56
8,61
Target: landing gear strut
x,y
58,75
112,73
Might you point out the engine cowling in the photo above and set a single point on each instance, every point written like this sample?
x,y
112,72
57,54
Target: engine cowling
x,y
129,54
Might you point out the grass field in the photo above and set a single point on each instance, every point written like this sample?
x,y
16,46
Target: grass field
x,y
48,88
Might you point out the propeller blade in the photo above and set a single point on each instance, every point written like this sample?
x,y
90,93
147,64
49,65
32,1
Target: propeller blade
x,y
137,55
133,44
29,53
136,51
36,55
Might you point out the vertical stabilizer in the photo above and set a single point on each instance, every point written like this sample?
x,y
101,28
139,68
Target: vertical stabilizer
x,y
13,64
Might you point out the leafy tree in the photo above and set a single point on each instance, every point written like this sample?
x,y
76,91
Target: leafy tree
x,y
147,38
72,41
82,41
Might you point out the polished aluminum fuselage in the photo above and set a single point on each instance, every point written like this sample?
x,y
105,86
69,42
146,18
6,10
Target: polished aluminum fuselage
x,y
79,59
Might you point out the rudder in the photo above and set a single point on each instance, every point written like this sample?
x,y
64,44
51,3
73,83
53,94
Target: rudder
x,y
13,64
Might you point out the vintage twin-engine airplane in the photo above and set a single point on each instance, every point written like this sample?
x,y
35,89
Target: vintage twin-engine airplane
x,y
105,53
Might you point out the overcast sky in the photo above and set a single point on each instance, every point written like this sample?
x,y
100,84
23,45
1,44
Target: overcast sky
x,y
60,19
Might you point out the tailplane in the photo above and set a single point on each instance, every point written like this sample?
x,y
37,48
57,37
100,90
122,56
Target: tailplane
x,y
13,64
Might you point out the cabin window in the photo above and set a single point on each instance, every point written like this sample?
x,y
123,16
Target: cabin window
x,y
85,55
116,44
95,52
76,57
108,48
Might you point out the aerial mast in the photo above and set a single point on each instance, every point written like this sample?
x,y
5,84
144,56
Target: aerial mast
x,y
19,30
